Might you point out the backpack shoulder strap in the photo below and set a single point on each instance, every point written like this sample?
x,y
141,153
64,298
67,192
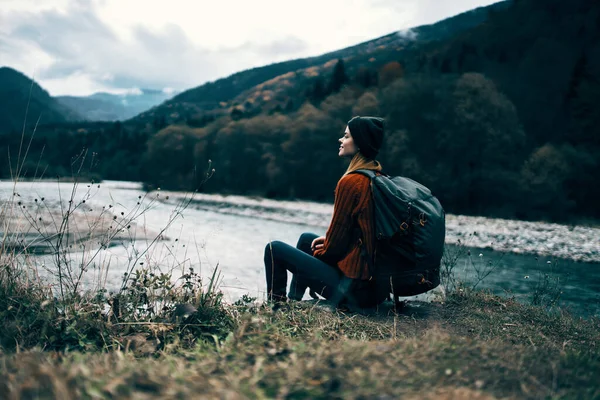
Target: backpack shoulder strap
x,y
363,249
367,172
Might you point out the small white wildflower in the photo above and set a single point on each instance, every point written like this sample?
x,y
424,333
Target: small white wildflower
x,y
480,254
526,276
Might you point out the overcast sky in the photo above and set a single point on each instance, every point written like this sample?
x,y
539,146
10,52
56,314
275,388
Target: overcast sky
x,y
83,46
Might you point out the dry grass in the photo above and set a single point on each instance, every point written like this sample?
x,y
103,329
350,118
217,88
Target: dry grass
x,y
475,346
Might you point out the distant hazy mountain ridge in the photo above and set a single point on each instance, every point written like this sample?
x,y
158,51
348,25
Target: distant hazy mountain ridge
x,y
113,107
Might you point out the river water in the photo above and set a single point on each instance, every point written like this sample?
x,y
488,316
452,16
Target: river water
x,y
204,236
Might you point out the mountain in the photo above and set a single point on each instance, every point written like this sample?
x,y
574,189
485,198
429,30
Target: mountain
x,y
218,96
21,97
93,109
113,107
207,101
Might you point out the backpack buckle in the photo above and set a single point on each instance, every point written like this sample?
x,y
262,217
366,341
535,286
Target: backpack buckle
x,y
403,226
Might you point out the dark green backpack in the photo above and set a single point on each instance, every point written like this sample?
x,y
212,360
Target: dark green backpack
x,y
410,230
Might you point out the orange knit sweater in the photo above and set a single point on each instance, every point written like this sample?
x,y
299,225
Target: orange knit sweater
x,y
353,208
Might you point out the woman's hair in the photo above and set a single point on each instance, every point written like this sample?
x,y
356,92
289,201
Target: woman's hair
x,y
359,161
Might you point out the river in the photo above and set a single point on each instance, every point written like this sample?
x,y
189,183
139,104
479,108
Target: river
x,y
231,233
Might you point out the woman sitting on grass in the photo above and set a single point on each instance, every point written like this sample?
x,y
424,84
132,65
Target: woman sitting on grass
x,y
335,265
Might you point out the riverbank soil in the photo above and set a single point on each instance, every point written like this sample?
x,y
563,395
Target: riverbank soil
x,y
471,346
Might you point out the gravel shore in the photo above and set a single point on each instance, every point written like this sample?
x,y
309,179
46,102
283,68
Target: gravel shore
x,y
578,243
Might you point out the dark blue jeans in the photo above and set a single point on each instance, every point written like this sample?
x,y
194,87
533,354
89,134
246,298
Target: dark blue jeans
x,y
310,272
307,270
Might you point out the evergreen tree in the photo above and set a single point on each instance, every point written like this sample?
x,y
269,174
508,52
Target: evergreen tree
x,y
338,77
317,91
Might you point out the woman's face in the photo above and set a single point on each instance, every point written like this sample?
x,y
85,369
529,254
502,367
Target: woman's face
x,y
347,146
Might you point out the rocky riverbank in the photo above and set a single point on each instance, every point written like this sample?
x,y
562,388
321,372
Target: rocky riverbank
x,y
578,243
40,228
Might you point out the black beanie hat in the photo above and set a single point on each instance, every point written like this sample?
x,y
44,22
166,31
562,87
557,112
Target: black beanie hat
x,y
367,133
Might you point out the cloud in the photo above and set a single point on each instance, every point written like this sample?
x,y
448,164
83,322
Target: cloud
x,y
286,46
82,53
134,92
80,46
408,34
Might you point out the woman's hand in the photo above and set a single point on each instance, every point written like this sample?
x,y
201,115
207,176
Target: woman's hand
x,y
318,243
